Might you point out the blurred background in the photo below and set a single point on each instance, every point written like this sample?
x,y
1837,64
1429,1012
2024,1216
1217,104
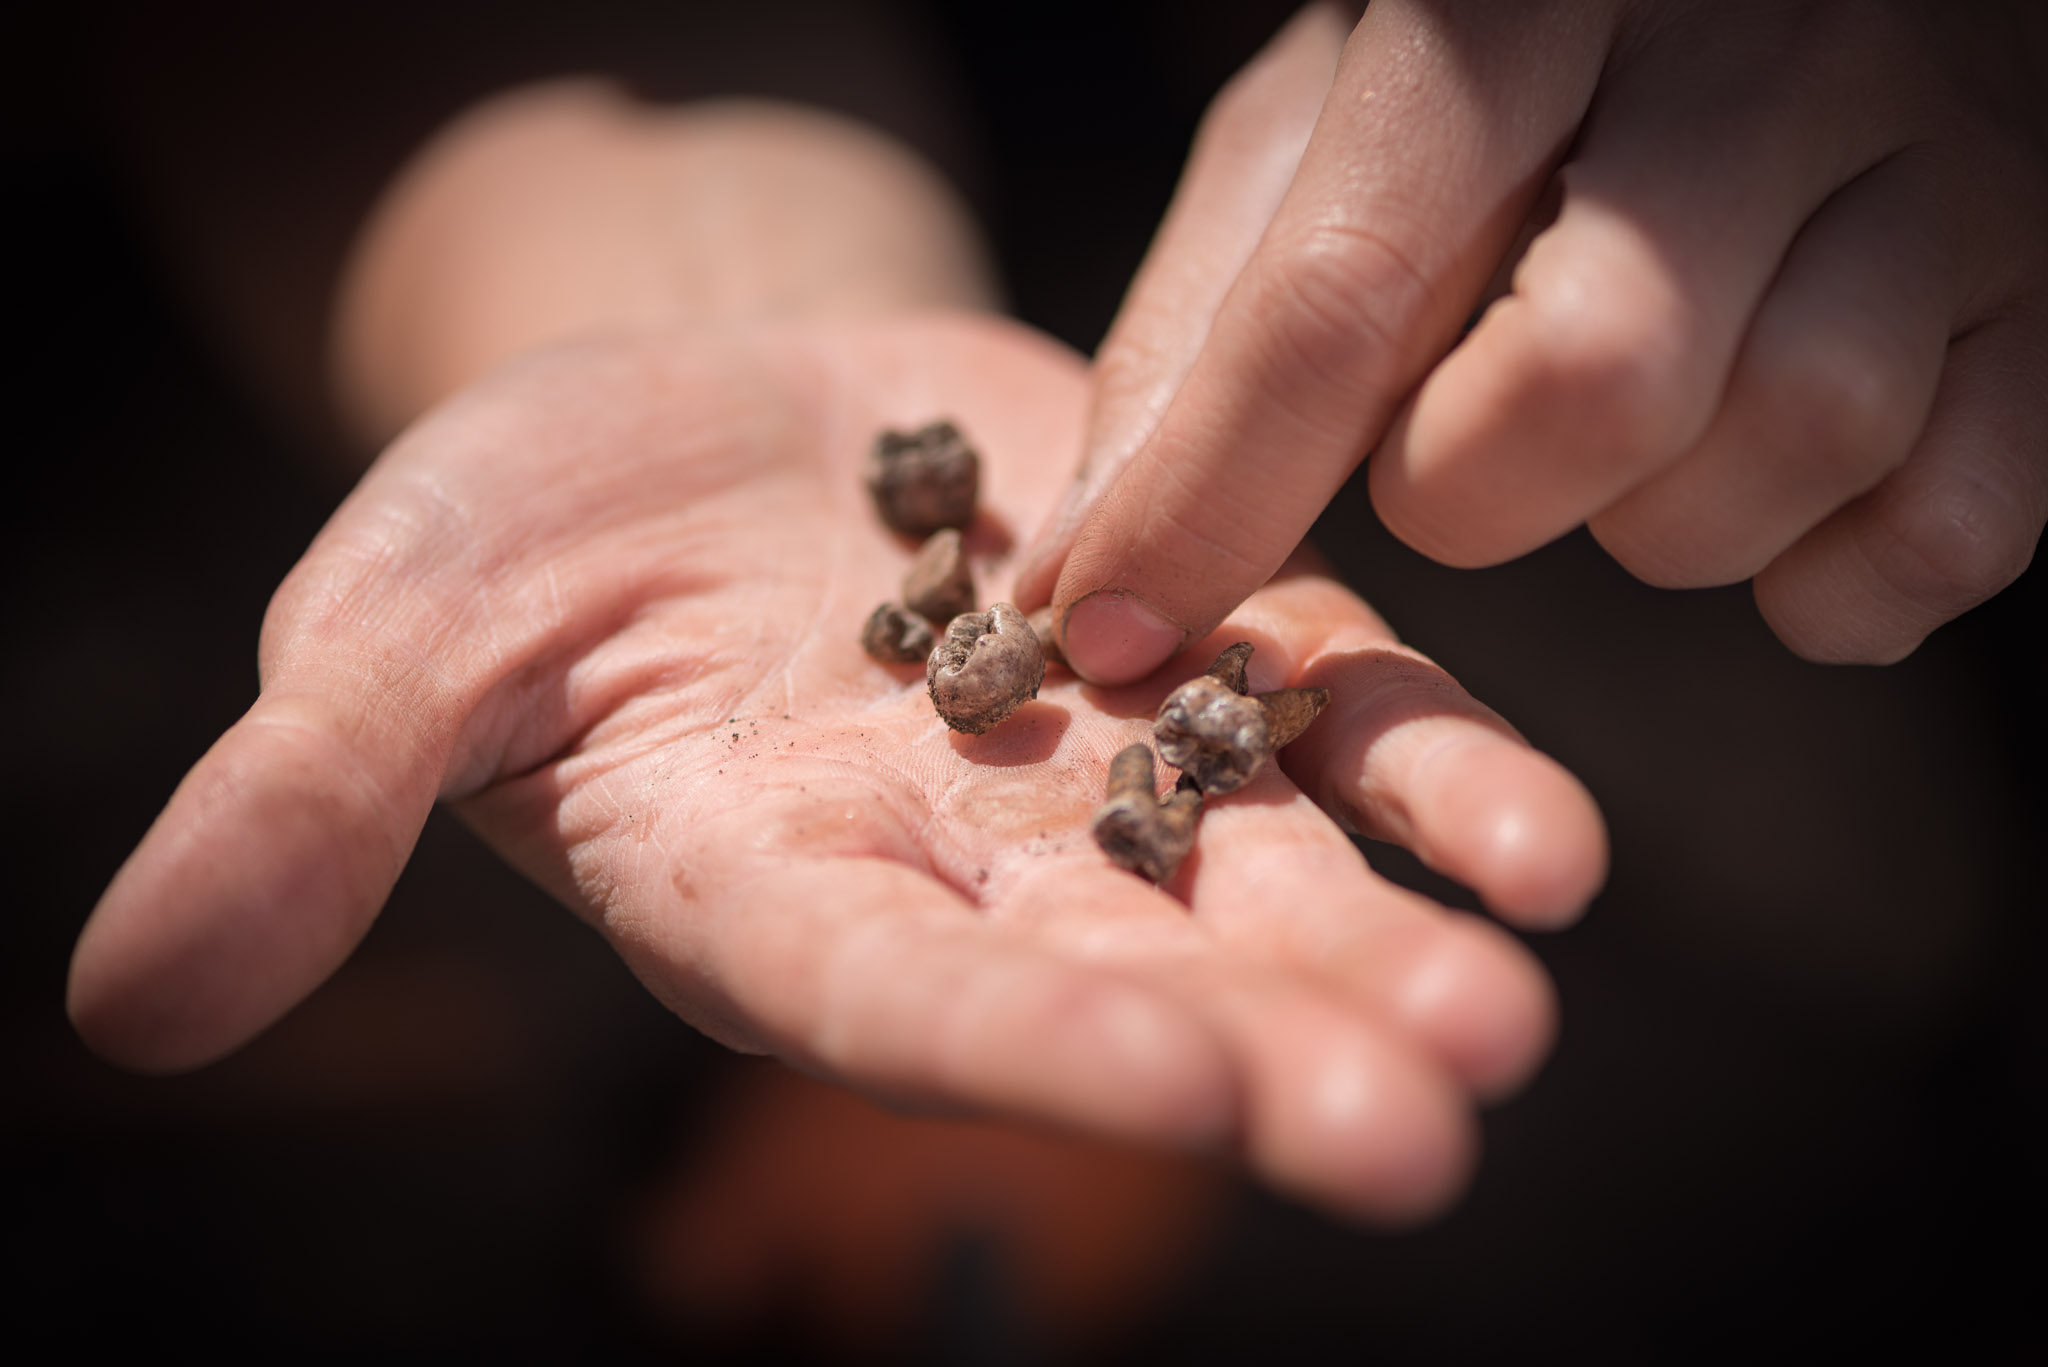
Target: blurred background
x,y
1797,1103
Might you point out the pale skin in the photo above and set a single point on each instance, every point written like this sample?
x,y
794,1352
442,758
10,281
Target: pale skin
x,y
604,598
1764,293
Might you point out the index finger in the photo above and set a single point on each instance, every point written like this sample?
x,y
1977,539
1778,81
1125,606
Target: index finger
x,y
1438,133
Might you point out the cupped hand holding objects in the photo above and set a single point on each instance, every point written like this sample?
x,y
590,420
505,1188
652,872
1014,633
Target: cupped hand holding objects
x,y
607,603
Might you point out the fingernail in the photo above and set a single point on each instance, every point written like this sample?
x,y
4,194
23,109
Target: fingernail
x,y
1112,637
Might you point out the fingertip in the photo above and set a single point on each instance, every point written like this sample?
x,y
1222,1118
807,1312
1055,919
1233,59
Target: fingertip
x,y
1819,599
1376,1135
263,872
1514,826
1487,1009
1141,1067
1114,637
1826,627
146,988
1397,481
109,1005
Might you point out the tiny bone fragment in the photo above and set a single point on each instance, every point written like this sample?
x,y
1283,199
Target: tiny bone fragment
x,y
896,636
1218,736
985,667
1042,623
940,582
1229,669
1138,831
924,480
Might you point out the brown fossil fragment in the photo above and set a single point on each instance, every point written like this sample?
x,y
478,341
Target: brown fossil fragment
x,y
1289,712
940,583
1218,736
1138,831
924,480
984,668
1041,622
896,636
1230,666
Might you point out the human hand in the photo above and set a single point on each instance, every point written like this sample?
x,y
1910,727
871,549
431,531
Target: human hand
x,y
606,604
1783,315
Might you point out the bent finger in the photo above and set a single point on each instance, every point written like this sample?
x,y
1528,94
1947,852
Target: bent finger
x,y
1439,130
1956,523
1610,358
1831,388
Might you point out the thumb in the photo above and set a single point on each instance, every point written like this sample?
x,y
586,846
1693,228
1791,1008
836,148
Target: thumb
x,y
276,852
267,867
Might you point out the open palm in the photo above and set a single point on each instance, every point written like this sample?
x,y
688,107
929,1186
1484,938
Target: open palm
x,y
608,604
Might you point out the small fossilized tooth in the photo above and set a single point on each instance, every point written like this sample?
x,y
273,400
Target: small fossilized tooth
x,y
924,480
1289,712
1217,735
1048,641
940,583
1229,669
896,636
984,667
1136,829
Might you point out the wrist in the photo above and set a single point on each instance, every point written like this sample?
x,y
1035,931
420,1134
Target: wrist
x,y
567,209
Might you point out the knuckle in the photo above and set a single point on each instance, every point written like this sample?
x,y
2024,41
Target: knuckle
x,y
1654,548
1850,409
1349,305
1230,545
1621,373
1954,545
1606,351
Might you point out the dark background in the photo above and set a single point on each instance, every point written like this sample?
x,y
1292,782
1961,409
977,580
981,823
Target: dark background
x,y
1798,1101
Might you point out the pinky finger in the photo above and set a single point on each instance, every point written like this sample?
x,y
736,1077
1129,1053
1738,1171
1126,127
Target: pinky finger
x,y
1945,531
